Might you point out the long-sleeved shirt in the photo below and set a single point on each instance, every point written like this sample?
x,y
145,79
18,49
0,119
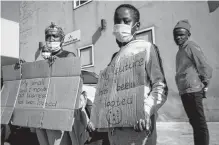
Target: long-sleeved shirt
x,y
154,97
192,70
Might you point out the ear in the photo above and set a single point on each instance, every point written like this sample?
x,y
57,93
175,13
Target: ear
x,y
189,34
62,41
138,26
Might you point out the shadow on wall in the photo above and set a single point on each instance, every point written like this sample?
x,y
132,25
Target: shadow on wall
x,y
172,110
213,5
96,35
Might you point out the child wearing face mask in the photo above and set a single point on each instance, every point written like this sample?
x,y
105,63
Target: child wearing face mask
x,y
126,23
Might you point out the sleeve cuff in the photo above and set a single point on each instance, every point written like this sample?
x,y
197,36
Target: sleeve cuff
x,y
148,106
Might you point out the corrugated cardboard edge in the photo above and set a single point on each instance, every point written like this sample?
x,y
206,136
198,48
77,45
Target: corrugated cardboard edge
x,y
10,73
71,65
37,69
8,109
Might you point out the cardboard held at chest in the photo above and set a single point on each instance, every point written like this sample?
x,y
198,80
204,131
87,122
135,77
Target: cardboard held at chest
x,y
120,91
12,80
45,96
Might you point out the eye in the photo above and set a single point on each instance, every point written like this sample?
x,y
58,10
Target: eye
x,y
55,36
48,36
117,21
126,21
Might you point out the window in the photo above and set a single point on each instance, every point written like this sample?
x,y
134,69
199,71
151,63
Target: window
x,y
146,34
78,3
87,56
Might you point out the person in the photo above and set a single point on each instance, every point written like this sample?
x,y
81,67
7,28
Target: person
x,y
54,37
192,78
52,50
94,136
126,23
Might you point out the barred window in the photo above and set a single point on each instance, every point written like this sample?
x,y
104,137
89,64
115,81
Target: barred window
x,y
78,3
87,56
147,34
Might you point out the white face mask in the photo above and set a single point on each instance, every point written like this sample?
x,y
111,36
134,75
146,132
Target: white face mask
x,y
46,55
123,32
53,46
82,101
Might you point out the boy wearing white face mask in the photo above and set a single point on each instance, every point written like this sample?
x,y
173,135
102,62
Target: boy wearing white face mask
x,y
126,20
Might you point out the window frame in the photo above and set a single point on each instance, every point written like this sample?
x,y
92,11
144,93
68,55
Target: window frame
x,y
152,29
74,4
92,55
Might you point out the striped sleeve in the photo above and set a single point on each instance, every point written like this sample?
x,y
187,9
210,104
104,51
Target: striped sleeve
x,y
159,90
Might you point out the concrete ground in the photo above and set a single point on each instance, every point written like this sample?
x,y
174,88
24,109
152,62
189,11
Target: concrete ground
x,y
180,133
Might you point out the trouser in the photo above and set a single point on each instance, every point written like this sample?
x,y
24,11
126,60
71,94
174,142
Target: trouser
x,y
128,136
97,137
193,106
53,137
22,136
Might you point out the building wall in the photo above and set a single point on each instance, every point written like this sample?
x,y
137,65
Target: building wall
x,y
6,10
162,15
35,16
9,41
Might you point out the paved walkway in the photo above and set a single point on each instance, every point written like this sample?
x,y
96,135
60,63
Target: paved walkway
x,y
180,133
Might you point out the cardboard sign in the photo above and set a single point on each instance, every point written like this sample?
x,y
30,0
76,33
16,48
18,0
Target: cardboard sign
x,y
119,97
12,80
48,95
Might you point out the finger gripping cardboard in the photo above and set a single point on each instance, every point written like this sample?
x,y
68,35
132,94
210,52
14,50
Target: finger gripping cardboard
x,y
47,94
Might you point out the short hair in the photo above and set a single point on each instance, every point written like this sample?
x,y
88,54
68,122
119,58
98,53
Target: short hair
x,y
53,26
136,13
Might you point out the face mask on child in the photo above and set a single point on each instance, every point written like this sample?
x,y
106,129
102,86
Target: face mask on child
x,y
46,55
123,32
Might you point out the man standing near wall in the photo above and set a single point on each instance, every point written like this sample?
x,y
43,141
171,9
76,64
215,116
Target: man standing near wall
x,y
192,78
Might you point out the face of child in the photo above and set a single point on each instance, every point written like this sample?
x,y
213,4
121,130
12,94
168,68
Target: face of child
x,y
83,99
125,16
45,52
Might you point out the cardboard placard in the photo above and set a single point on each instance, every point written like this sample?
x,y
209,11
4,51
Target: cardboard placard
x,y
48,95
11,72
120,92
11,77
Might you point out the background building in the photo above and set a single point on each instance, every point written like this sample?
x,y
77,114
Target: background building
x,y
81,21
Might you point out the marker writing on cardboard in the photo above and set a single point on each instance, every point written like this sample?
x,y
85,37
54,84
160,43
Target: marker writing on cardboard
x,y
119,102
129,66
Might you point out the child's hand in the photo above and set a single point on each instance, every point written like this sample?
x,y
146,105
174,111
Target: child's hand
x,y
90,127
18,64
52,59
143,124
